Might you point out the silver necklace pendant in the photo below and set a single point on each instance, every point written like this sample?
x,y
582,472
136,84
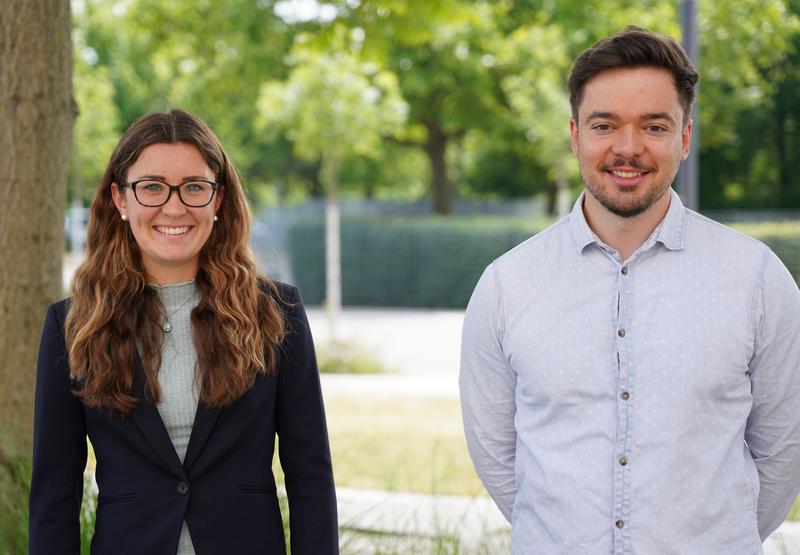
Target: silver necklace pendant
x,y
166,326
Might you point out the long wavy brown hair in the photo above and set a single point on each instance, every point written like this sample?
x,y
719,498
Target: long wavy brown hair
x,y
238,324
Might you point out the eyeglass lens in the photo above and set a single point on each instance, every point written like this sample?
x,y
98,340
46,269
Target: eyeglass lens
x,y
156,193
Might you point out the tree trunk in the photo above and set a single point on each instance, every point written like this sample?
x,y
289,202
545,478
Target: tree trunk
x,y
562,187
37,114
552,198
442,191
333,258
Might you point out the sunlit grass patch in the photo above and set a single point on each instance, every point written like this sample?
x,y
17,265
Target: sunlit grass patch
x,y
400,444
340,357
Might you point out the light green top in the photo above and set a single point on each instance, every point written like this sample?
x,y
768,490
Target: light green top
x,y
179,393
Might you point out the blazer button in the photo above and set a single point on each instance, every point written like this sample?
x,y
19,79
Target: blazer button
x,y
183,488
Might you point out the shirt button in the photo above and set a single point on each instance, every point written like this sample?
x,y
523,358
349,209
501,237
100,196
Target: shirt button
x,y
624,270
624,395
623,461
621,333
183,488
620,524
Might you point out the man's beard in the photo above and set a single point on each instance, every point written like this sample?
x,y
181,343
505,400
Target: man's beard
x,y
639,203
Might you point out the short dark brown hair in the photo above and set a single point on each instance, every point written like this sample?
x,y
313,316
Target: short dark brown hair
x,y
635,47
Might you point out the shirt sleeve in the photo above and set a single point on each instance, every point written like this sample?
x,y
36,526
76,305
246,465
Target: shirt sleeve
x,y
59,448
487,383
303,441
773,428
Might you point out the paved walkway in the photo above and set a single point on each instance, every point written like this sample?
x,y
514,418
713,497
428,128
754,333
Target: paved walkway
x,y
474,523
420,342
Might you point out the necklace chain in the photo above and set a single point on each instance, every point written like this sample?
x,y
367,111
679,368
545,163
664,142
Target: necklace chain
x,y
167,326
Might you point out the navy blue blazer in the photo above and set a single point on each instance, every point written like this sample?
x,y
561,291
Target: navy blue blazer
x,y
225,489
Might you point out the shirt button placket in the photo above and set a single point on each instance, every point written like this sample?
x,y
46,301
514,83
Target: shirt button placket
x,y
623,395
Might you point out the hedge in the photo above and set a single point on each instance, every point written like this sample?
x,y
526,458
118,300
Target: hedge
x,y
782,237
436,262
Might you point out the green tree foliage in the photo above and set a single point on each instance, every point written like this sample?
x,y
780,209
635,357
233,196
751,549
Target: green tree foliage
x,y
484,81
443,55
333,105
750,103
207,57
536,90
96,127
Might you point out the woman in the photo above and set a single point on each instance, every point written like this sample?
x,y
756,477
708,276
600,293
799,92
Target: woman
x,y
180,363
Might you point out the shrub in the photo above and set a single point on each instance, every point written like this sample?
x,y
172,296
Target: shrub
x,y
436,262
15,487
427,262
782,237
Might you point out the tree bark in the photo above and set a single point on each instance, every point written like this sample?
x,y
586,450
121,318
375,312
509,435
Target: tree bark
x,y
442,190
333,248
562,187
37,113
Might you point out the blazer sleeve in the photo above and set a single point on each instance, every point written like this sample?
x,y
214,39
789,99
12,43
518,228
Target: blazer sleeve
x,y
59,447
303,440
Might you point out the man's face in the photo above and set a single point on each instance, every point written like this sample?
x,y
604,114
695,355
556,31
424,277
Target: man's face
x,y
630,139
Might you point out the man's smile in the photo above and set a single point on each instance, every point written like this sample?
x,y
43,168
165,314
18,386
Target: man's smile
x,y
626,176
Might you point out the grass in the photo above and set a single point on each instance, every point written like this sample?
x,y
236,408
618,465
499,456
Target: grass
x,y
412,445
347,358
794,514
15,486
402,444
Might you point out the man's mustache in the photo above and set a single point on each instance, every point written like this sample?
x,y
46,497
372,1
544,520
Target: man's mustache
x,y
623,163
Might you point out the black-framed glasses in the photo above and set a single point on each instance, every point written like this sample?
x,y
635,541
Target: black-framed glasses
x,y
194,193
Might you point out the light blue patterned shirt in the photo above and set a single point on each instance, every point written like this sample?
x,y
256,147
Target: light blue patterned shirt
x,y
650,407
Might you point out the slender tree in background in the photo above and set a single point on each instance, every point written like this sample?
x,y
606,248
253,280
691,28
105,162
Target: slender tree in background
x,y
37,114
333,107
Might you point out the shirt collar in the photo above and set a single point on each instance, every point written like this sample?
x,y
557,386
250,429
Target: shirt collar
x,y
671,232
582,234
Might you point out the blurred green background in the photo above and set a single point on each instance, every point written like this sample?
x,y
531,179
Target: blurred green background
x,y
444,126
449,99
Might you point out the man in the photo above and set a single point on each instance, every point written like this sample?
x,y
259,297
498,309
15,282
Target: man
x,y
630,376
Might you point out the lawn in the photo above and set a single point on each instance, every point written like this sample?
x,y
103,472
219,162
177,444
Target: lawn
x,y
400,445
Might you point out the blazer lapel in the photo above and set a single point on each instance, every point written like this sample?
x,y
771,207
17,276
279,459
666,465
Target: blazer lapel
x,y
147,418
204,421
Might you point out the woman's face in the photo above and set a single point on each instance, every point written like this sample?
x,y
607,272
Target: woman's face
x,y
169,236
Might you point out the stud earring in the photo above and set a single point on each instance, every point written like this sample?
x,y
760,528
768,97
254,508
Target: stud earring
x,y
215,218
124,217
